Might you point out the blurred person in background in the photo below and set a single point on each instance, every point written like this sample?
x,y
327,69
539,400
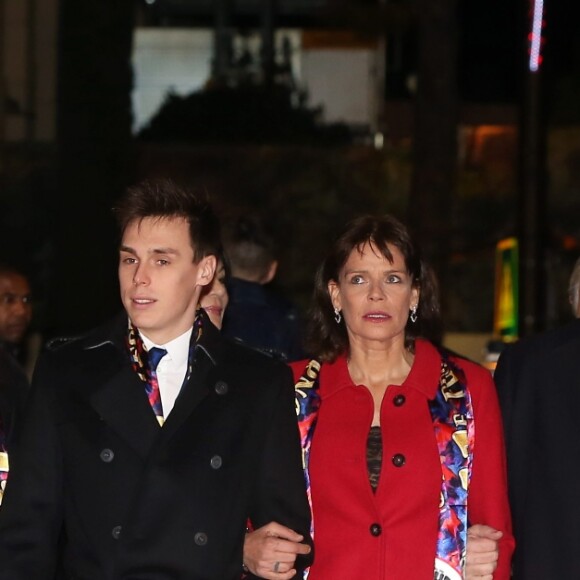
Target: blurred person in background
x,y
15,312
13,390
15,317
538,381
402,441
257,315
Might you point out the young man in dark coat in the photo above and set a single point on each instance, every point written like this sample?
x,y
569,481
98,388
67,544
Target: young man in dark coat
x,y
149,444
538,381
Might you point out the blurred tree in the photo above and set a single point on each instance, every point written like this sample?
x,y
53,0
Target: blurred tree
x,y
247,113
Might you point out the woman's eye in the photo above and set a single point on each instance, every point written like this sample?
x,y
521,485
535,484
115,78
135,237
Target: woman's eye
x,y
357,280
393,279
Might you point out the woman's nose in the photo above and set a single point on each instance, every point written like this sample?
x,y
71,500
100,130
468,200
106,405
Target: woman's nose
x,y
376,292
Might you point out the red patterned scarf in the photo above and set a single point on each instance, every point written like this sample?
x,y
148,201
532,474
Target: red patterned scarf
x,y
3,460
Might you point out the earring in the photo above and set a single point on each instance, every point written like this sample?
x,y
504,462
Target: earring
x,y
337,316
413,315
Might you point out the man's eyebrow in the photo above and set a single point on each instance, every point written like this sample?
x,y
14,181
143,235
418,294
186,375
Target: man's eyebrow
x,y
165,251
130,250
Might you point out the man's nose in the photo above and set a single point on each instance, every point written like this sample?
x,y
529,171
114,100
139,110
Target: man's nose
x,y
141,276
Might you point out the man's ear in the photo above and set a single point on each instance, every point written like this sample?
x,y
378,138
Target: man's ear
x,y
270,273
206,270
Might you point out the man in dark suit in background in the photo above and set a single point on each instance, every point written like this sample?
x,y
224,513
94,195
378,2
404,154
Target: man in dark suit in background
x,y
15,312
538,381
257,315
13,389
149,443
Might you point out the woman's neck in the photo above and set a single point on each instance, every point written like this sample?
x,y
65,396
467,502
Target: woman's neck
x,y
386,365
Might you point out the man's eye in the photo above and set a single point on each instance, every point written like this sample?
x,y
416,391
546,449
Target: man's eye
x,y
8,298
129,260
162,262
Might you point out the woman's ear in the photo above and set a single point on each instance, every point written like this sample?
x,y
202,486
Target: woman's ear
x,y
334,293
415,296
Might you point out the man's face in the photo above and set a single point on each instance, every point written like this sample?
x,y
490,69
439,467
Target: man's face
x,y
15,307
160,283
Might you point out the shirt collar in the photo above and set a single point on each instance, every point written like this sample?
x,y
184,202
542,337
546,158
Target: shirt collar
x,y
114,333
424,375
177,349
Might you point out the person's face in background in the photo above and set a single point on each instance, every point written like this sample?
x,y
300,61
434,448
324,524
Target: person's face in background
x,y
15,307
214,297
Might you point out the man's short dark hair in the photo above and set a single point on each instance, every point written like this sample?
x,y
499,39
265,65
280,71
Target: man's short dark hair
x,y
249,246
163,198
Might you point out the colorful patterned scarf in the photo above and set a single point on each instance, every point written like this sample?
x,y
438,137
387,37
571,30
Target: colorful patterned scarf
x,y
138,352
452,415
453,424
4,467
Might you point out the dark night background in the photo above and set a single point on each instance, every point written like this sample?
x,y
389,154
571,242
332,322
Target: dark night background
x,y
305,177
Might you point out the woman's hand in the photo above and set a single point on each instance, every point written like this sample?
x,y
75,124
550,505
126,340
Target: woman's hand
x,y
482,552
270,551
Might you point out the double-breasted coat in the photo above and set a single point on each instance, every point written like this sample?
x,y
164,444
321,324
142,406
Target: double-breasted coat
x,y
100,491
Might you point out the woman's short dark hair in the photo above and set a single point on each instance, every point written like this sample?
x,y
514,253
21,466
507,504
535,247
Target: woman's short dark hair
x,y
163,198
326,339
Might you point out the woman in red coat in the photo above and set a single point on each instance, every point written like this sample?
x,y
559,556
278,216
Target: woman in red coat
x,y
402,441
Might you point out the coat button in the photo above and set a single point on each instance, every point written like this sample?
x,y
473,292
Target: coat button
x,y
376,530
116,532
107,455
399,400
200,539
398,460
216,462
221,388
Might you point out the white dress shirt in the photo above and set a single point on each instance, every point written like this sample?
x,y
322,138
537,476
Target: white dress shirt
x,y
171,369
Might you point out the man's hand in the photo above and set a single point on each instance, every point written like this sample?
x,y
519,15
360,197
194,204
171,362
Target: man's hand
x,y
482,552
270,551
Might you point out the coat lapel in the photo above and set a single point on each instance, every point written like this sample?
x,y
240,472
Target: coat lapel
x,y
122,404
207,354
118,395
191,395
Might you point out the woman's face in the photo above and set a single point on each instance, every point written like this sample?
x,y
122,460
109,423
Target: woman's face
x,y
214,298
374,296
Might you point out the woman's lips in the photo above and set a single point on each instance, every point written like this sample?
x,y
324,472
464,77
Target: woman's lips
x,y
376,316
